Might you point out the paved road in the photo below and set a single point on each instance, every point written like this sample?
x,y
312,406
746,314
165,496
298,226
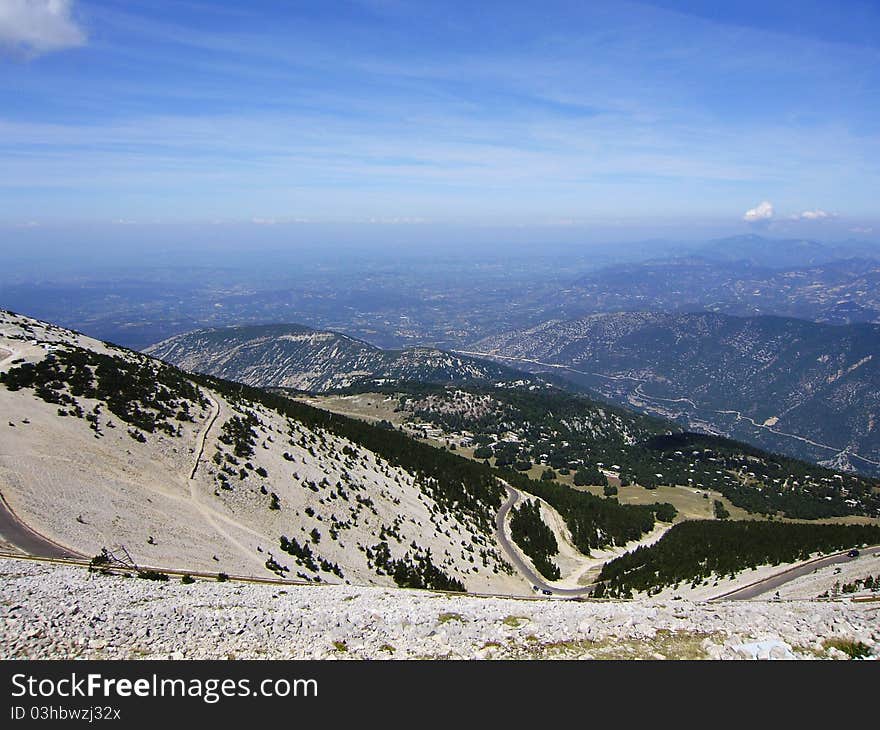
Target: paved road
x,y
521,565
14,532
763,587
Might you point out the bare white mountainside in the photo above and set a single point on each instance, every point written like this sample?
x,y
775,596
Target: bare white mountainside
x,y
102,447
293,356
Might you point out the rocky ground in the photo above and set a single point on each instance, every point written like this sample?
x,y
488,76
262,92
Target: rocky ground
x,y
66,612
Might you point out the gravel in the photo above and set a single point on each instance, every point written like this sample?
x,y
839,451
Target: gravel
x,y
49,611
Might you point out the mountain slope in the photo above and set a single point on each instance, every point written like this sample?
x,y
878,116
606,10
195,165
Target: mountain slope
x,y
808,389
101,447
293,356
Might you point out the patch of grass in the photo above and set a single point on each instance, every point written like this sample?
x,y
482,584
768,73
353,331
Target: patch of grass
x,y
664,645
515,621
340,646
446,617
852,648
387,647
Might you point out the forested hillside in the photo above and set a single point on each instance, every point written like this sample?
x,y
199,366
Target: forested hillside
x,y
811,390
697,551
563,433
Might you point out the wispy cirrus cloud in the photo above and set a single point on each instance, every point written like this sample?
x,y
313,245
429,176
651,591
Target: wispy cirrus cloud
x,y
35,27
355,112
814,215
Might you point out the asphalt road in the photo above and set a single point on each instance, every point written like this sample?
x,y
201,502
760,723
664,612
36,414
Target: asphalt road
x,y
763,587
521,565
16,533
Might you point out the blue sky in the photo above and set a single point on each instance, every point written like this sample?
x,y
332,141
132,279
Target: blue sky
x,y
553,113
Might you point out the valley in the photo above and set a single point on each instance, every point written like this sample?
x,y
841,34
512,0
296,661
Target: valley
x,y
192,473
711,373
805,389
542,432
434,331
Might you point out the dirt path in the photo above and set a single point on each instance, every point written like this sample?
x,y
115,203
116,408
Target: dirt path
x,y
204,437
217,521
6,354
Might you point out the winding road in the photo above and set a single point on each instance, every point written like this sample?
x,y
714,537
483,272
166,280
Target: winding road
x,y
754,590
764,586
16,533
523,566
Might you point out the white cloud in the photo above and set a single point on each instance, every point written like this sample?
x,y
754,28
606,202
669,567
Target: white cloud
x,y
813,215
861,229
761,213
38,26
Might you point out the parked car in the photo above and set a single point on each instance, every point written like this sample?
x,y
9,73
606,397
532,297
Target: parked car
x,y
853,553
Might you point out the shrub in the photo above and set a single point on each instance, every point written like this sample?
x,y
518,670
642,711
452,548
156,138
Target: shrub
x,y
152,575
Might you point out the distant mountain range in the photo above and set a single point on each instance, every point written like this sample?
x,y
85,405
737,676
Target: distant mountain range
x,y
839,292
294,356
810,390
783,253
